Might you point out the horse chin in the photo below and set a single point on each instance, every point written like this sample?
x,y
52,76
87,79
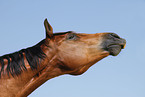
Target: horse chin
x,y
114,50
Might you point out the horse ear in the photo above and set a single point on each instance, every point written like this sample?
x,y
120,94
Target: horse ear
x,y
48,28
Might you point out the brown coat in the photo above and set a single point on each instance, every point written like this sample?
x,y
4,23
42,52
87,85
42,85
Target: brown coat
x,y
62,53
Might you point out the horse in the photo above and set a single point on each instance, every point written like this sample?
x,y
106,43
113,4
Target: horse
x,y
60,53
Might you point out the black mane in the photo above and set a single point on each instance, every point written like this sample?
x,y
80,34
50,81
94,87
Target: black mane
x,y
16,60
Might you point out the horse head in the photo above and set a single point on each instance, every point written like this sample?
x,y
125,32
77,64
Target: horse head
x,y
76,52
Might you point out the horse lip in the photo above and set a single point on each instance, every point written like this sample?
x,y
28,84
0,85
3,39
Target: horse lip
x,y
122,45
114,49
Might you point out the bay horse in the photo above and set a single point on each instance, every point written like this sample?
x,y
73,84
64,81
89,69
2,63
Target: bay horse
x,y
61,53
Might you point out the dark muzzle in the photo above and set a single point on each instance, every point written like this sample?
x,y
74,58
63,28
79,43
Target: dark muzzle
x,y
113,43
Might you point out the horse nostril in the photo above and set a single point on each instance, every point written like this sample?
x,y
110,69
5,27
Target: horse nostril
x,y
114,35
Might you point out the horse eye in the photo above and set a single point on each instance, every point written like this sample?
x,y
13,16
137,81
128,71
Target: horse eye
x,y
71,36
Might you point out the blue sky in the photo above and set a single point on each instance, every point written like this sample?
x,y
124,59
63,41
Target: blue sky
x,y
21,26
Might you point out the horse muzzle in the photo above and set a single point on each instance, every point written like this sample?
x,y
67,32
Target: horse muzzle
x,y
113,43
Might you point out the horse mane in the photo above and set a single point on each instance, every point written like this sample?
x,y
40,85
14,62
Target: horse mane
x,y
16,62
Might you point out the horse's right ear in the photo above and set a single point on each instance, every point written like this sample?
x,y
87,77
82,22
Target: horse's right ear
x,y
48,28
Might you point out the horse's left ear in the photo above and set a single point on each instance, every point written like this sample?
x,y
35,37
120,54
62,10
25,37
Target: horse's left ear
x,y
48,28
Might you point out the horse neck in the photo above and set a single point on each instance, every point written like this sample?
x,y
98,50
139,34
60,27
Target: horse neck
x,y
47,70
